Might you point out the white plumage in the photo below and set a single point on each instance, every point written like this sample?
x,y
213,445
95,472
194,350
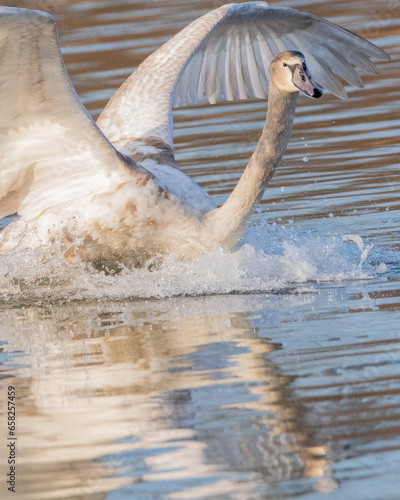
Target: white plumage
x,y
112,191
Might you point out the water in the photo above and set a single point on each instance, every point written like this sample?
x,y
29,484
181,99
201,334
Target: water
x,y
272,372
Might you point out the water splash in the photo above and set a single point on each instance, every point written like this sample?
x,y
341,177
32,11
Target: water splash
x,y
364,249
272,258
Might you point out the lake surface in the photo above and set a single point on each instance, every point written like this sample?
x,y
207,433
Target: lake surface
x,y
269,373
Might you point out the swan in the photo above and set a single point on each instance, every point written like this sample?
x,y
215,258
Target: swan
x,y
111,193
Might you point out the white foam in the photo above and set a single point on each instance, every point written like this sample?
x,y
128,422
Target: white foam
x,y
271,258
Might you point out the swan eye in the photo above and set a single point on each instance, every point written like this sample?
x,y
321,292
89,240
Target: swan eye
x,y
284,64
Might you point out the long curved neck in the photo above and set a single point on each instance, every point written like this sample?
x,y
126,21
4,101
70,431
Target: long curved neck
x,y
229,221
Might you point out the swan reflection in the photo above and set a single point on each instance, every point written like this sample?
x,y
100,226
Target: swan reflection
x,y
126,397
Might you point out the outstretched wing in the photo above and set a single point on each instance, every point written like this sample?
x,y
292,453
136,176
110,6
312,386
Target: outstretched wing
x,y
51,151
225,55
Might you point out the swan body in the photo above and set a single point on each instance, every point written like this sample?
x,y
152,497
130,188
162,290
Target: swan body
x,y
111,193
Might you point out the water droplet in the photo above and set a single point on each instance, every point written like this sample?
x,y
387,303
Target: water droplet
x,y
331,215
283,189
305,159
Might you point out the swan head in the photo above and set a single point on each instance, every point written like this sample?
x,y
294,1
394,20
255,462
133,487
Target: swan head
x,y
289,73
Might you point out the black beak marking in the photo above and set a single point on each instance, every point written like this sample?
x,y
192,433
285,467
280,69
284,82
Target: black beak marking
x,y
317,93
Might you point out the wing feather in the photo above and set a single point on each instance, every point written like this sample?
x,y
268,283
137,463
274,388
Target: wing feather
x,y
362,61
228,69
231,56
201,94
265,45
325,76
51,151
239,79
254,71
263,57
221,72
194,77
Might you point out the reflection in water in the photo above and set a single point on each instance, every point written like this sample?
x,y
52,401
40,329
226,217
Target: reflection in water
x,y
216,397
137,394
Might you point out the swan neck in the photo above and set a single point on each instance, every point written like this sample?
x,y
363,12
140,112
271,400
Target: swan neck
x,y
231,219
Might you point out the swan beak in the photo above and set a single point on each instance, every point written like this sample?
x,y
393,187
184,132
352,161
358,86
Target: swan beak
x,y
302,80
